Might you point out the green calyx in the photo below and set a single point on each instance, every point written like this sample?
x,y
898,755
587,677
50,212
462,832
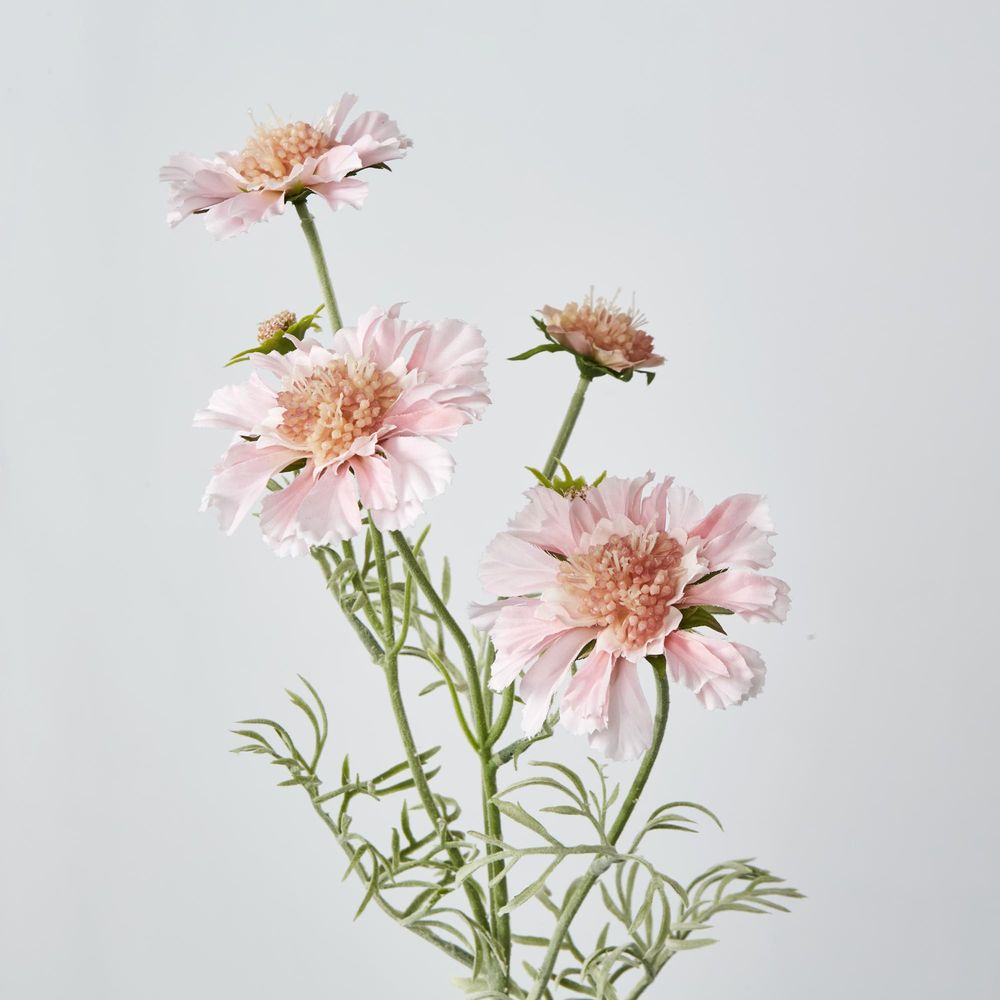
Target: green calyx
x,y
280,342
567,484
589,368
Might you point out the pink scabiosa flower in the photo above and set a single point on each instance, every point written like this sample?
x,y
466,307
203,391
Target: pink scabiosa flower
x,y
601,331
620,573
236,189
362,421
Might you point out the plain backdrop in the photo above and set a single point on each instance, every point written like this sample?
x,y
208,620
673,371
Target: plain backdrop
x,y
803,198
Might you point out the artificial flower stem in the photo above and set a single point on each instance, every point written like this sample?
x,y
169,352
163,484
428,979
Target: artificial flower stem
x,y
491,814
601,864
316,249
367,639
390,662
569,422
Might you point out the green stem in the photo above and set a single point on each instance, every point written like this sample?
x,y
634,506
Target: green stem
x,y
601,864
316,249
390,661
500,923
569,422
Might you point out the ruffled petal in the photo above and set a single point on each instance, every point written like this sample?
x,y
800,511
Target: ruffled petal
x,y
421,469
239,213
757,667
240,479
629,732
238,408
279,515
755,598
512,566
519,636
714,669
376,488
545,675
329,512
616,498
584,706
736,534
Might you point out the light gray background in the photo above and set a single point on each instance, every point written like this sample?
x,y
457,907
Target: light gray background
x,y
803,197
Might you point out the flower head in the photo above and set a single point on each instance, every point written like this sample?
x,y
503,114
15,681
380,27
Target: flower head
x,y
361,421
601,331
236,189
620,574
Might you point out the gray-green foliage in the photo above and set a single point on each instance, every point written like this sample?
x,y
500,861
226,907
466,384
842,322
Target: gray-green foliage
x,y
441,879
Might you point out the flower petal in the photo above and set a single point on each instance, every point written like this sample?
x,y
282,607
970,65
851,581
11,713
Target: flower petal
x,y
545,675
629,732
755,598
713,668
584,706
240,478
237,407
512,566
735,534
329,512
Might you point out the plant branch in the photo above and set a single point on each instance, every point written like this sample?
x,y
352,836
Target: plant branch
x,y
569,422
601,864
319,260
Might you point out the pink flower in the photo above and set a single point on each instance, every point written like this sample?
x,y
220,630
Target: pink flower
x,y
362,420
599,330
236,189
612,568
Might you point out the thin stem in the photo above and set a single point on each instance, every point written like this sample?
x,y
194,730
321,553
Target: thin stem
x,y
390,661
445,617
322,272
569,422
601,864
500,923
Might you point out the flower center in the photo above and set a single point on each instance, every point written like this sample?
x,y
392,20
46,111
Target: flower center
x,y
627,584
609,328
327,410
276,324
271,153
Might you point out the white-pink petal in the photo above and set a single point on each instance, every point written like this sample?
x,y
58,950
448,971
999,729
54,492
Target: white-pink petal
x,y
584,706
543,677
629,732
512,566
239,408
755,598
240,479
714,669
736,532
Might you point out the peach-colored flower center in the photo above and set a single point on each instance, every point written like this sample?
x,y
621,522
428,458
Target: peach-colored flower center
x,y
271,153
627,584
333,406
278,322
608,328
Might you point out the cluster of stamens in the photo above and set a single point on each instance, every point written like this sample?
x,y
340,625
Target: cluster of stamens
x,y
327,410
607,327
278,323
626,584
271,153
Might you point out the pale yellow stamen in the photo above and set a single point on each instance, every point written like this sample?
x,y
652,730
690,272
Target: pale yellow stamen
x,y
330,408
627,583
271,153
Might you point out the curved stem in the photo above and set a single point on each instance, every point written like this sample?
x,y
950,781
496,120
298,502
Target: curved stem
x,y
500,923
322,272
569,422
601,864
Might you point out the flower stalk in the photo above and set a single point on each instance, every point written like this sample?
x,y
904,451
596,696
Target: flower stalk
x,y
308,222
566,430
